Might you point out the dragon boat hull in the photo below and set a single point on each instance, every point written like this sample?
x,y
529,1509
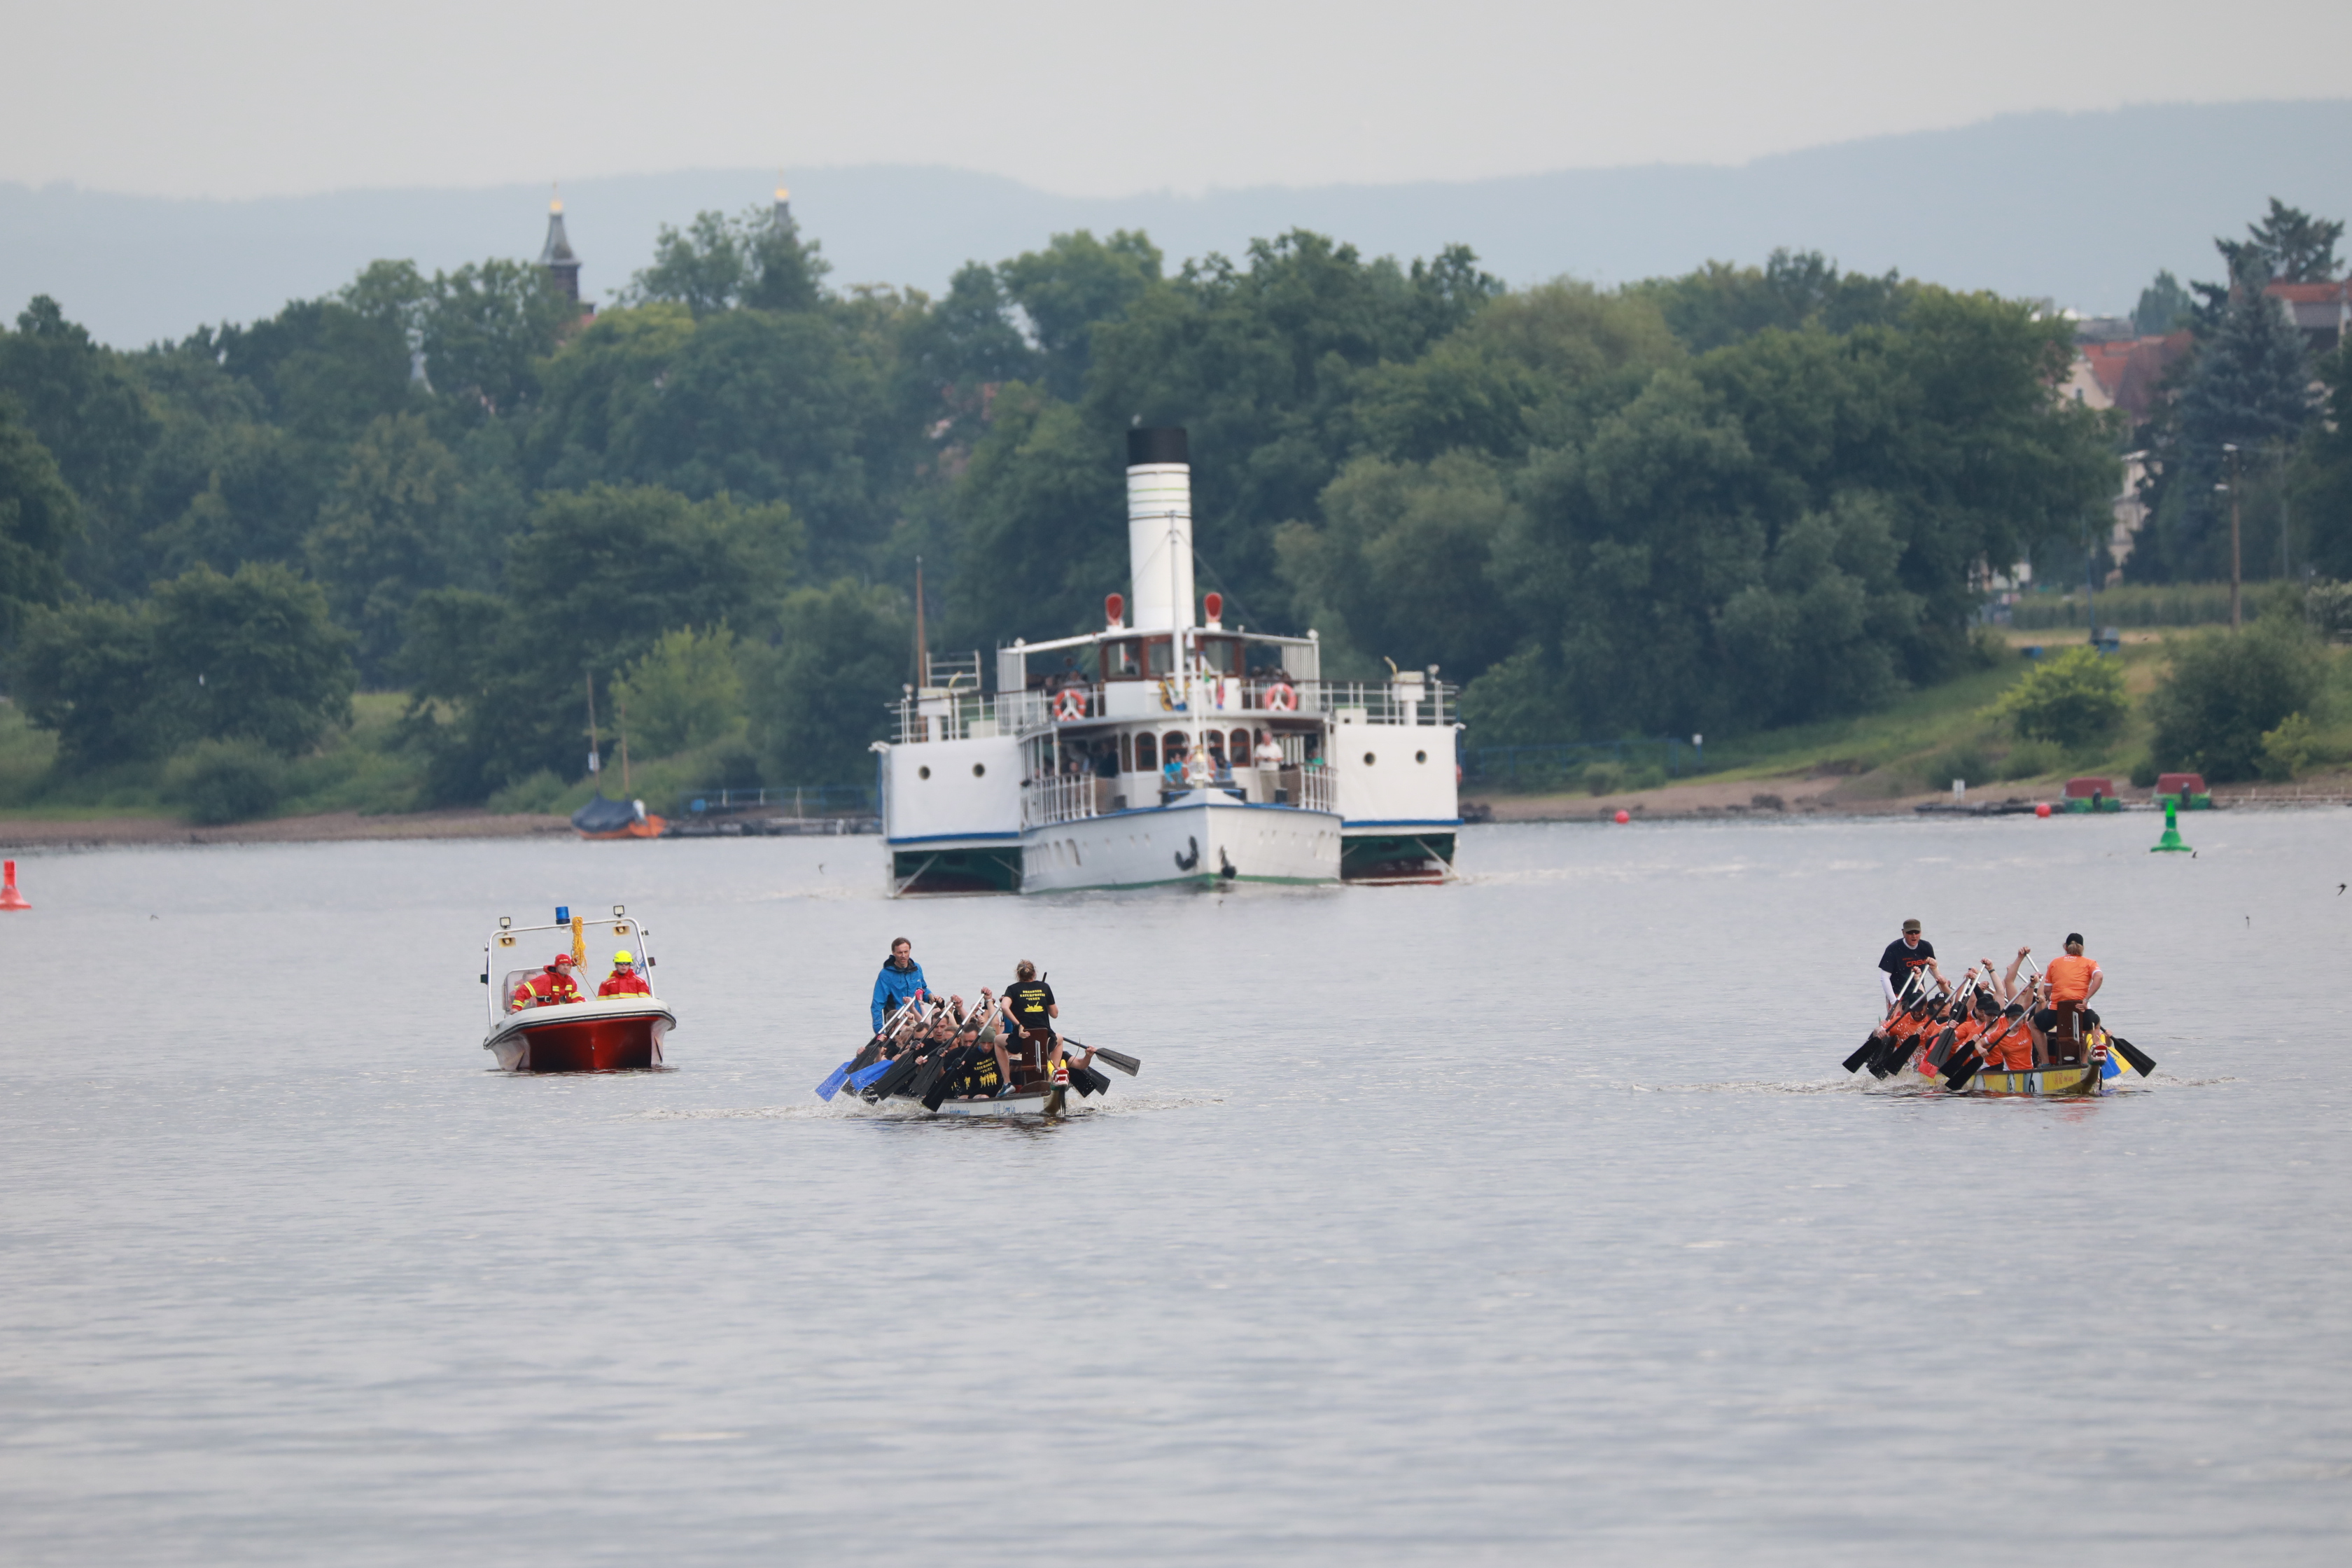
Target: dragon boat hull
x,y
1034,1100
2038,1083
621,1034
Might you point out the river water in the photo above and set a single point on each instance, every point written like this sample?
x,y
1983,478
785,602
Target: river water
x,y
1527,1219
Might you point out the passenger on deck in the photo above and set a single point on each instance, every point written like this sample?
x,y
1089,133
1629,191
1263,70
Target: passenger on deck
x,y
1269,749
551,986
1029,1005
624,980
900,982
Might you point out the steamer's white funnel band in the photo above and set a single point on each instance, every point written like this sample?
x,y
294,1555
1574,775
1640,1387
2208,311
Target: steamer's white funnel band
x,y
1160,529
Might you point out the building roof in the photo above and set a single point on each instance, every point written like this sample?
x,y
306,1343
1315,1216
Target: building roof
x,y
2131,370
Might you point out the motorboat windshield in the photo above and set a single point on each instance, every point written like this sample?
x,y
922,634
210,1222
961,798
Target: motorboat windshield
x,y
516,956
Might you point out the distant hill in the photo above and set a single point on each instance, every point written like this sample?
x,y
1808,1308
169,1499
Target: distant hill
x,y
2080,208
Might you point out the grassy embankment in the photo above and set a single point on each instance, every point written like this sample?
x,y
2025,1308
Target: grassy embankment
x,y
1921,742
370,768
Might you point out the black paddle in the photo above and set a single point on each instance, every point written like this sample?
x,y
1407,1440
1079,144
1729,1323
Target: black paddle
x,y
1898,1047
1877,1037
1119,1060
2140,1060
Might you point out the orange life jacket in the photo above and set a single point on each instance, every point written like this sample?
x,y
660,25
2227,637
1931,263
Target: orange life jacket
x,y
547,989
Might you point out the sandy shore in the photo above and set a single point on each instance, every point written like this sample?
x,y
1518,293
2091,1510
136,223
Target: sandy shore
x,y
36,833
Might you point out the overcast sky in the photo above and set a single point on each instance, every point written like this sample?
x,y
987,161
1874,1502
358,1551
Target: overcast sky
x,y
232,97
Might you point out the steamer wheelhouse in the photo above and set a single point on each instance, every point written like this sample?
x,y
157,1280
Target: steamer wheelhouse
x,y
1169,749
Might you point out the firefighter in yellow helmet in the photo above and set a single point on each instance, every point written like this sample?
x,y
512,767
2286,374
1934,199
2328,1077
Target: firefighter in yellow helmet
x,y
624,980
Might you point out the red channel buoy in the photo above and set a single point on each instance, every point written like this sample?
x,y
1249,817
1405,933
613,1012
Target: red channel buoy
x,y
2041,808
10,899
1625,816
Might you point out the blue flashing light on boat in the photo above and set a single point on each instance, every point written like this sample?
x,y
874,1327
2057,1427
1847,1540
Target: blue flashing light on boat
x,y
563,914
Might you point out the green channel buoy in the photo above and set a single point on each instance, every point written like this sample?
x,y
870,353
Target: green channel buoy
x,y
2172,839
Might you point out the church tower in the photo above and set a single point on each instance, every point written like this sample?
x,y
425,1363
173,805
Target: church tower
x,y
783,218
556,255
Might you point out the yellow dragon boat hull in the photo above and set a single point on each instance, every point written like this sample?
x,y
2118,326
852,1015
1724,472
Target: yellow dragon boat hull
x,y
2039,1082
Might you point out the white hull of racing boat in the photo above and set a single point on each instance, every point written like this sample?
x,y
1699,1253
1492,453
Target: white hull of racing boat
x,y
1202,838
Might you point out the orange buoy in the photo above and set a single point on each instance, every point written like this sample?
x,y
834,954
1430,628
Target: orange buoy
x,y
10,899
1625,816
2041,808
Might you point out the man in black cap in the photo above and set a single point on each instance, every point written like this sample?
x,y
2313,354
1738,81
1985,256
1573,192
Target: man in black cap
x,y
1903,958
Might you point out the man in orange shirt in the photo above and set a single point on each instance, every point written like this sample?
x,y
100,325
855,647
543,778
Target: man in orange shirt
x,y
2073,979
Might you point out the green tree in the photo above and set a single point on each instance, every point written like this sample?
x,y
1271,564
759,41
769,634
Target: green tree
x,y
2074,698
720,264
483,329
39,520
2288,246
2323,472
686,692
84,405
1722,305
254,656
2164,307
1073,284
1401,563
590,587
86,673
759,405
2223,692
2250,388
387,533
821,696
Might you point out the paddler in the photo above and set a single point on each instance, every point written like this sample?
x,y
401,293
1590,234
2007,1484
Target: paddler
x,y
1904,956
900,982
624,980
2073,981
551,986
1029,1003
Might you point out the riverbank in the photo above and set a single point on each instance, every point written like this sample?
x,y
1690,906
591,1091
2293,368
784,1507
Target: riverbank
x,y
1813,794
101,832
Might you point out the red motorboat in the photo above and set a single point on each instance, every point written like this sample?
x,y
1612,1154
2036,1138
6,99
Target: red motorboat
x,y
542,1023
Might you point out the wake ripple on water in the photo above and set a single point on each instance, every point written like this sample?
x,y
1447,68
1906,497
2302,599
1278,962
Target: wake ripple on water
x,y
1126,1105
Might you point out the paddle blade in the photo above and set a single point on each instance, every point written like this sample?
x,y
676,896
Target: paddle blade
x,y
832,1081
1119,1060
1963,1067
859,1079
2142,1063
1901,1056
1869,1049
1940,1052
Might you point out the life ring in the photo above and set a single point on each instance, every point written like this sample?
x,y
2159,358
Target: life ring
x,y
1281,699
1070,705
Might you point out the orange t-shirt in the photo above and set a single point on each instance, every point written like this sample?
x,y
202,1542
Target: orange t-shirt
x,y
2070,978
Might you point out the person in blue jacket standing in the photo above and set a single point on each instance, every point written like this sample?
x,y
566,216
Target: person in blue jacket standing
x,y
900,982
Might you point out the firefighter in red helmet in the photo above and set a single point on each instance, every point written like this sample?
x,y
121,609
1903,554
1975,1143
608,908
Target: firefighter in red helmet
x,y
551,987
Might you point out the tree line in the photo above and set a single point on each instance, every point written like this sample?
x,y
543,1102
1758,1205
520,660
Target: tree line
x,y
1743,497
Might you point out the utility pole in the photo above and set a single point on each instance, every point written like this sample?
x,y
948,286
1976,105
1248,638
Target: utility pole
x,y
2232,448
922,643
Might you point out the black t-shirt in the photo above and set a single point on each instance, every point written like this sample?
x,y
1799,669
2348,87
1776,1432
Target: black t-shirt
x,y
1900,961
1030,1000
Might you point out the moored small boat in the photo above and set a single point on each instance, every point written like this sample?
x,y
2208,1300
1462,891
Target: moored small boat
x,y
533,1031
602,818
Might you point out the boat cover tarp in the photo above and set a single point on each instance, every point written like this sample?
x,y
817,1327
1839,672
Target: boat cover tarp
x,y
602,816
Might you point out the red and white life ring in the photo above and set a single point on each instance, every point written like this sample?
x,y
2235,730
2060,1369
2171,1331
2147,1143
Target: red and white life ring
x,y
1281,699
1070,704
